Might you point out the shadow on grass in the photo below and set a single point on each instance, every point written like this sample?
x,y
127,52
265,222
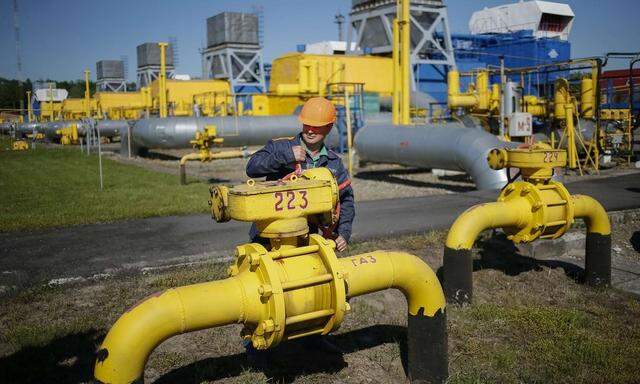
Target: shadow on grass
x,y
501,254
68,359
214,180
289,360
635,241
390,176
159,156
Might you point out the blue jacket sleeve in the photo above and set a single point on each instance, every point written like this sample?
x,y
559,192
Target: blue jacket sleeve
x,y
270,159
347,208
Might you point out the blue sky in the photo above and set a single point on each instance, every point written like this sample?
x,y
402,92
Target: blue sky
x,y
60,38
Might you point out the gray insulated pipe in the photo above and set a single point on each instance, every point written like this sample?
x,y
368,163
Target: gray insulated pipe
x,y
112,128
176,132
450,146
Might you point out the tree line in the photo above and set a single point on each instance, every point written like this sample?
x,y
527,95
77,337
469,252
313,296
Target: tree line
x,y
12,92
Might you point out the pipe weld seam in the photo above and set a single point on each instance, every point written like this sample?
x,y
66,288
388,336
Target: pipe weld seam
x,y
183,320
243,300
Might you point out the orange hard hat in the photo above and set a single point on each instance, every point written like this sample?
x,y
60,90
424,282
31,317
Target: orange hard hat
x,y
317,112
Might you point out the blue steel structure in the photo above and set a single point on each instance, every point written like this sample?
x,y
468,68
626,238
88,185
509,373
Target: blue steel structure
x,y
519,49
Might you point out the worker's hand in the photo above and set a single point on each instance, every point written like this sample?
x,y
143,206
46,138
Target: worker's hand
x,y
299,153
341,244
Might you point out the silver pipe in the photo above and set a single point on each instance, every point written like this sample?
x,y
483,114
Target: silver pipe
x,y
176,132
449,146
112,128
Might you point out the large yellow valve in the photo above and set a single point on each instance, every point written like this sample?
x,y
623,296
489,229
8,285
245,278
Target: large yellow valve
x,y
68,134
534,208
292,287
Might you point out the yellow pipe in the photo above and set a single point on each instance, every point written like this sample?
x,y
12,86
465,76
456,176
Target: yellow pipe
x,y
534,105
29,108
495,99
587,98
283,291
484,95
395,109
375,271
162,79
125,350
455,98
208,156
593,214
405,59
51,102
572,151
478,218
561,99
87,95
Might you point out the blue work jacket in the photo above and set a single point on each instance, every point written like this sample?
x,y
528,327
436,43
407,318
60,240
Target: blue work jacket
x,y
276,160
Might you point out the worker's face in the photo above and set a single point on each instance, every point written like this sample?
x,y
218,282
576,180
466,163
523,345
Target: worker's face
x,y
314,135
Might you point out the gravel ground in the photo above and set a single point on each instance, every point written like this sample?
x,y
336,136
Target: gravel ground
x,y
371,182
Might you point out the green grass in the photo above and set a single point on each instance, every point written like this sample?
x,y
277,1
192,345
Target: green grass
x,y
60,187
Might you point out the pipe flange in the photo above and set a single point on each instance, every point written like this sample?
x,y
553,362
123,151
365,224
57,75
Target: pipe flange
x,y
533,228
338,291
569,210
269,331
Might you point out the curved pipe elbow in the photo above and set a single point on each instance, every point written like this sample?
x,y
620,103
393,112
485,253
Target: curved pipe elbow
x,y
379,270
468,226
190,156
593,214
126,348
419,284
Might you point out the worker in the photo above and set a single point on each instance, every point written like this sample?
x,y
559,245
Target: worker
x,y
281,157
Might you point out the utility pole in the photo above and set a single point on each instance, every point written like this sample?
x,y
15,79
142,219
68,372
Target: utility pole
x,y
339,19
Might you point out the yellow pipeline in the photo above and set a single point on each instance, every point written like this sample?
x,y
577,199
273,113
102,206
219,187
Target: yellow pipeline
x,y
484,95
562,97
535,208
292,288
395,99
593,213
29,107
207,155
473,221
162,78
587,98
478,98
87,95
125,350
455,98
495,99
375,271
405,60
534,105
